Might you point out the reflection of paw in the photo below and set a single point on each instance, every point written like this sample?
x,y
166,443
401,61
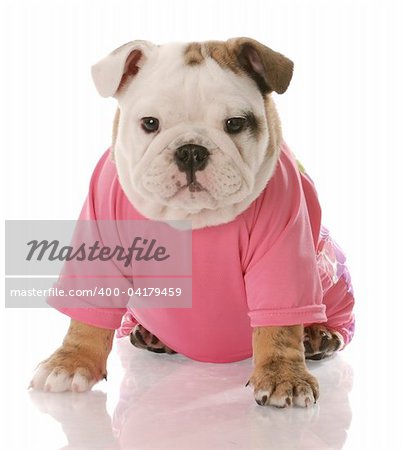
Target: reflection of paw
x,y
84,418
284,386
142,338
321,342
69,406
67,370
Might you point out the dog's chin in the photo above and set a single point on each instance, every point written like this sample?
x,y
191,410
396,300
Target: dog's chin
x,y
191,199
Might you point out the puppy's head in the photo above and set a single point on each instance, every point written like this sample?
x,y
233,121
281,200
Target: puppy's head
x,y
196,136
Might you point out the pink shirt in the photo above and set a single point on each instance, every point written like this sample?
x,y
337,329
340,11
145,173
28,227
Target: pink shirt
x,y
269,266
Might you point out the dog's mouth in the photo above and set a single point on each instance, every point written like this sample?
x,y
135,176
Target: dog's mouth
x,y
193,186
191,197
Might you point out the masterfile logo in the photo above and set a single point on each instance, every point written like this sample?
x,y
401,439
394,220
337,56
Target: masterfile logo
x,y
140,249
98,264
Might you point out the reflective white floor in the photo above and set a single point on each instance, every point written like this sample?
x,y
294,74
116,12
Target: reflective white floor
x,y
169,402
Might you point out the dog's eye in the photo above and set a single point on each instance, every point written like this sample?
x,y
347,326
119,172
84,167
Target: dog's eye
x,y
235,124
150,124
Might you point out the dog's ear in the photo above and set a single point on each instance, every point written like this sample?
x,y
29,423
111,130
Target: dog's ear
x,y
116,69
271,70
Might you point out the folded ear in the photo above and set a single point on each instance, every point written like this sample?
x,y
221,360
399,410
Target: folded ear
x,y
113,71
271,70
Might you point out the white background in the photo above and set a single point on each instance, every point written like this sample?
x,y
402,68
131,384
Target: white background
x,y
342,116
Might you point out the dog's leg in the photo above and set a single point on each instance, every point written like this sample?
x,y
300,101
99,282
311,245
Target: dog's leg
x,y
320,342
79,363
142,338
280,377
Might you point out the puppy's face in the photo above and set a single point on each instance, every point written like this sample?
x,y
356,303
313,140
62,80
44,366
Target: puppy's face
x,y
193,131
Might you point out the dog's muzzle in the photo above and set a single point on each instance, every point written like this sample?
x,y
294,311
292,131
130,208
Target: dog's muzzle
x,y
190,158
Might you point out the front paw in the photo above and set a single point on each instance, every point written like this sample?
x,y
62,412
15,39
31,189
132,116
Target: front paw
x,y
284,386
68,370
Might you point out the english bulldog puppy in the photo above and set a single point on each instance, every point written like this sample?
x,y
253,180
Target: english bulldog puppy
x,y
197,137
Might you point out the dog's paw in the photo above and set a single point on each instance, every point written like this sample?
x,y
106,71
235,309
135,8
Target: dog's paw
x,y
284,386
320,342
142,338
67,370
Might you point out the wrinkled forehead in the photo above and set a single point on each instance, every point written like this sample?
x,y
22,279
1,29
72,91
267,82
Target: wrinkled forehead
x,y
189,75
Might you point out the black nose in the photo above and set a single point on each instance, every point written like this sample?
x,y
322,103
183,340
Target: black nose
x,y
191,157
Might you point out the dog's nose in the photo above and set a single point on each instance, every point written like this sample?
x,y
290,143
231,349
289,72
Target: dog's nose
x,y
191,157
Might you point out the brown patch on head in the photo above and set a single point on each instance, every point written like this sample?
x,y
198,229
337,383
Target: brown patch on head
x,y
193,54
223,54
270,70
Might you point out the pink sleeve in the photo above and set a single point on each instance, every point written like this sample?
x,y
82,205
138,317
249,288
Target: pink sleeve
x,y
97,309
281,275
